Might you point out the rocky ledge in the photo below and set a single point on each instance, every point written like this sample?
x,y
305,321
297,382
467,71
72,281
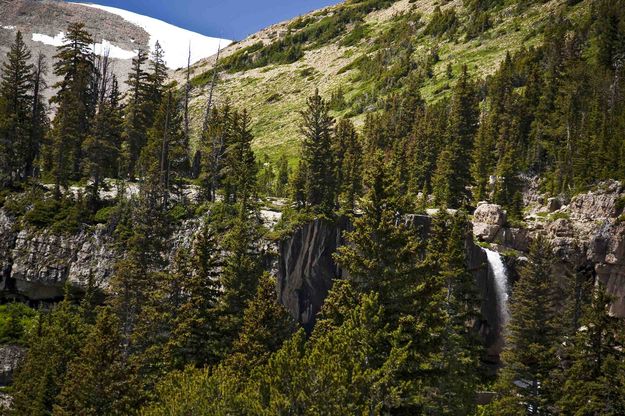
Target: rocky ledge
x,y
587,234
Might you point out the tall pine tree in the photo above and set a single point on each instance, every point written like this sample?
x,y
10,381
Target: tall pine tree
x,y
17,149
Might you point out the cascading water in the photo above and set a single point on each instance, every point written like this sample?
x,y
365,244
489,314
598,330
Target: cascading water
x,y
498,270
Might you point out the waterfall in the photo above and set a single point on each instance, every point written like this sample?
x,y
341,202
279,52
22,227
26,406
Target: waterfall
x,y
498,270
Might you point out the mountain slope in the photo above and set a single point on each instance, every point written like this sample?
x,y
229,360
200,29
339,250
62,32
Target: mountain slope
x,y
359,59
121,33
170,37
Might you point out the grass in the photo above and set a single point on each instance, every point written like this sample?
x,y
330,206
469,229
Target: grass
x,y
559,216
330,65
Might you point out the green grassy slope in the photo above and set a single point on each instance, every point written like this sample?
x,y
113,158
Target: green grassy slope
x,y
390,46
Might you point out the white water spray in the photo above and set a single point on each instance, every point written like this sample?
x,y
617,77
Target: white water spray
x,y
498,269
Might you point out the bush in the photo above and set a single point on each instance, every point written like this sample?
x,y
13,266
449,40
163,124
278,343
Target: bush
x,y
43,213
178,213
105,214
443,22
359,32
16,322
18,204
559,216
63,216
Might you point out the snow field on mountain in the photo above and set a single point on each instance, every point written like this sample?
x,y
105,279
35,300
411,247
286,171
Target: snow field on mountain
x,y
175,41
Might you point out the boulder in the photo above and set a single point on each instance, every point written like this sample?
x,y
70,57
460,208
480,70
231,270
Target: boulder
x,y
490,214
488,220
560,228
603,203
553,204
485,232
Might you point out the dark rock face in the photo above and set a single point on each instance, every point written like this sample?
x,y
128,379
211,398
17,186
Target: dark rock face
x,y
306,271
10,357
306,268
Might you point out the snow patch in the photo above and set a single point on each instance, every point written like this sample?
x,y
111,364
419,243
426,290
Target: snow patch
x,y
49,40
113,51
8,27
175,41
99,48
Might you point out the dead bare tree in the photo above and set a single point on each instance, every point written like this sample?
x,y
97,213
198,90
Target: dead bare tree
x,y
186,97
211,90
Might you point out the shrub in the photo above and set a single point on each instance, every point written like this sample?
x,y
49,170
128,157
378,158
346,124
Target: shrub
x,y
105,214
16,322
43,213
63,216
443,22
178,212
559,215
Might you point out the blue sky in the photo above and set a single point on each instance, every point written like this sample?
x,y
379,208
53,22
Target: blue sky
x,y
230,19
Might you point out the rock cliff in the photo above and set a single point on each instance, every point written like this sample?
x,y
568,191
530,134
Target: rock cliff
x,y
307,269
35,264
10,357
587,234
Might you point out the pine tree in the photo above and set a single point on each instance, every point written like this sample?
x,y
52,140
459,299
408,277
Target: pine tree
x,y
507,192
217,135
452,177
529,357
266,325
97,379
101,148
195,338
593,383
383,253
39,121
135,276
239,277
17,149
76,101
384,256
282,179
348,152
156,78
298,185
164,160
240,170
484,156
461,347
430,125
39,379
137,120
317,154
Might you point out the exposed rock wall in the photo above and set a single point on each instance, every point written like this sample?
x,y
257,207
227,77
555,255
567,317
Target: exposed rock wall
x,y
306,268
306,271
36,264
10,357
587,234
